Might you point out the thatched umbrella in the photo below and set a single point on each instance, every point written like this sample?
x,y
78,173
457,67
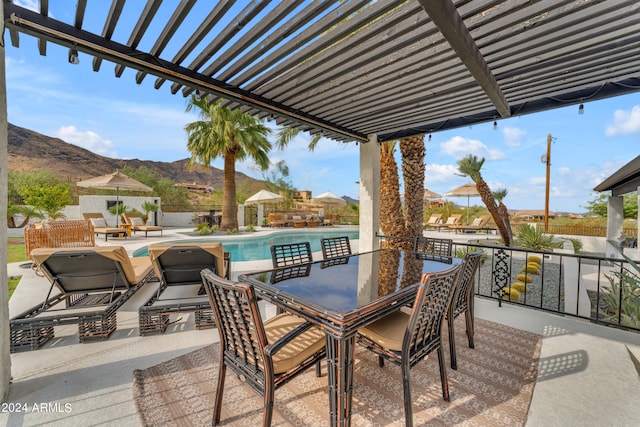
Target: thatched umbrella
x,y
469,190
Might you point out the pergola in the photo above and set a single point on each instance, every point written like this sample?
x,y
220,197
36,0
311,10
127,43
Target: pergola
x,y
355,71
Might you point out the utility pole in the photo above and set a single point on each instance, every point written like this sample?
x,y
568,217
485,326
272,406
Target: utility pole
x,y
547,159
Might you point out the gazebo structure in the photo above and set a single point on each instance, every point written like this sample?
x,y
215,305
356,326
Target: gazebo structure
x,y
362,71
625,180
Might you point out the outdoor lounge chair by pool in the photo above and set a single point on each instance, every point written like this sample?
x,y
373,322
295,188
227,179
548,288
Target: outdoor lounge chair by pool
x,y
434,221
93,283
134,220
178,265
100,225
478,224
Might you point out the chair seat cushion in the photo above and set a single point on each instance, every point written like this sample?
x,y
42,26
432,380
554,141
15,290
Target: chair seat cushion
x,y
299,349
388,331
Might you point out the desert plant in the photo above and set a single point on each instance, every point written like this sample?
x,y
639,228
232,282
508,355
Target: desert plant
x,y
148,207
529,237
203,228
118,209
621,300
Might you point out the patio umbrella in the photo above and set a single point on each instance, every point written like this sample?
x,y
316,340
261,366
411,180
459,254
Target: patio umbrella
x,y
114,181
428,194
329,198
469,190
264,196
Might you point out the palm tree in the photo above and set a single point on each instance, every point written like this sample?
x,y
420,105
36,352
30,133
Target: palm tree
x,y
232,135
499,195
470,166
413,170
391,219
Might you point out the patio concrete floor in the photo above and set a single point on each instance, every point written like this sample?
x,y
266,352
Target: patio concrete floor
x,y
587,375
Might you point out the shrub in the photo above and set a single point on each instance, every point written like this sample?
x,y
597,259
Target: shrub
x,y
622,298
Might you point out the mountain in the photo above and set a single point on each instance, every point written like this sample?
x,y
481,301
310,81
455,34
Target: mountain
x,y
30,151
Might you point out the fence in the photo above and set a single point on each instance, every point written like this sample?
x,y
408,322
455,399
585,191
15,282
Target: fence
x,y
599,289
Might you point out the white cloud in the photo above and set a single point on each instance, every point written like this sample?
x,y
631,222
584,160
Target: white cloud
x,y
625,122
564,170
459,147
513,136
88,139
439,173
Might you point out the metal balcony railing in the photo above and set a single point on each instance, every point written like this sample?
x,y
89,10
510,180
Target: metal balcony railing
x,y
599,289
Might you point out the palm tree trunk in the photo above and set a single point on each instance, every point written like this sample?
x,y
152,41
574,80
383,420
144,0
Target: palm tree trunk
x,y
391,220
413,170
504,215
490,203
229,206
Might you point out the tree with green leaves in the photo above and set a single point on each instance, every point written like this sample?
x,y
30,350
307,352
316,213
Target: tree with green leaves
x,y
232,135
470,166
48,198
599,205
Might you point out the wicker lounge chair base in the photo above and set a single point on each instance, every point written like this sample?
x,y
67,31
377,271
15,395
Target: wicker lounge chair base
x,y
33,328
93,283
156,319
181,291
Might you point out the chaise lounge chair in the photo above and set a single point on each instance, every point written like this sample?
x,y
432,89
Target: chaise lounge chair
x,y
434,221
478,224
93,283
178,265
100,226
452,221
134,220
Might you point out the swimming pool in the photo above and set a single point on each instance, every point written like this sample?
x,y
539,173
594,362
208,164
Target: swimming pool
x,y
253,248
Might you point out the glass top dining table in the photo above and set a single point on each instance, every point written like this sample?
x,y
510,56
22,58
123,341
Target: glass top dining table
x,y
341,295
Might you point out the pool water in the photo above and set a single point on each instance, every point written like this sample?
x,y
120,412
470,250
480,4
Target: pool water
x,y
259,247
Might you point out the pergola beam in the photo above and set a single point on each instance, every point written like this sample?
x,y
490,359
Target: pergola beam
x,y
445,16
69,36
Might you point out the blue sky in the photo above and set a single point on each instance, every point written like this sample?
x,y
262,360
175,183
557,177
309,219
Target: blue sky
x,y
118,118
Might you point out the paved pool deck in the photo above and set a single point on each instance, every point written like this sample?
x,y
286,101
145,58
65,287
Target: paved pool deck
x,y
587,375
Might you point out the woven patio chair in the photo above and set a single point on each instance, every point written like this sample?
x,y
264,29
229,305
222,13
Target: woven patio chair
x,y
335,247
433,248
406,338
289,254
478,224
93,283
178,265
462,302
264,355
59,234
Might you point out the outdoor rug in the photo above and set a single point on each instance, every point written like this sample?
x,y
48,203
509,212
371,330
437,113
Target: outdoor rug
x,y
492,387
